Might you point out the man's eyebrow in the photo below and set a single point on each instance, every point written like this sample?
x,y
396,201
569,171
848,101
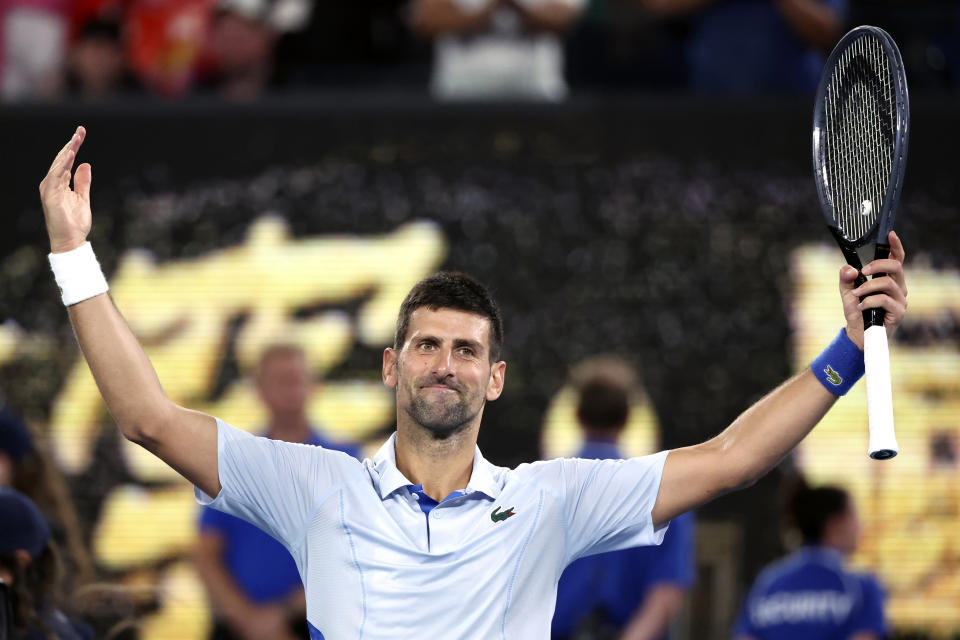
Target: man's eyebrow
x,y
464,342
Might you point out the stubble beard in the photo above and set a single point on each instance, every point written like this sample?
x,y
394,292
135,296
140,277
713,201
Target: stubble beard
x,y
442,420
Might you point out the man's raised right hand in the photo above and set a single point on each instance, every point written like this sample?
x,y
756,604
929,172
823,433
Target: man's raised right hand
x,y
66,210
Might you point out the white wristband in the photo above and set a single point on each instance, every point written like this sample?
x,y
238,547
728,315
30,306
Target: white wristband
x,y
78,274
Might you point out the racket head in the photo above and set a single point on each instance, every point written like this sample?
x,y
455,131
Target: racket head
x,y
861,123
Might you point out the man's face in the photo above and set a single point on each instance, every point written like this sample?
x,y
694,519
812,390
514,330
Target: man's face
x,y
283,382
442,372
849,530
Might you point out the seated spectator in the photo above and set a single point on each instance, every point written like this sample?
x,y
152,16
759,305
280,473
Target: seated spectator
x,y
496,49
812,594
97,62
165,41
241,49
33,43
239,60
252,580
758,46
29,567
633,594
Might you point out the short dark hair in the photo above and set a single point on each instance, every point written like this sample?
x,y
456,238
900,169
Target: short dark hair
x,y
603,405
452,290
606,386
813,508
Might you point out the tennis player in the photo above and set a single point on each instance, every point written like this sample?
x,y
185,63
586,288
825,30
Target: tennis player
x,y
428,539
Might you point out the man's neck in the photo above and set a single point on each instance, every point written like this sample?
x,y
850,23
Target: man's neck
x,y
440,466
289,428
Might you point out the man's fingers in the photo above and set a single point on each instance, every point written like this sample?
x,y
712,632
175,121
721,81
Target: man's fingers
x,y
886,265
896,247
894,307
848,276
885,285
63,162
81,181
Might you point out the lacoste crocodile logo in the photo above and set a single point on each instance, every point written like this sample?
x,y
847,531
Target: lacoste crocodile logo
x,y
832,376
499,516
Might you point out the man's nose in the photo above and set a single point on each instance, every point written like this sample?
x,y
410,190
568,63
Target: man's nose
x,y
443,362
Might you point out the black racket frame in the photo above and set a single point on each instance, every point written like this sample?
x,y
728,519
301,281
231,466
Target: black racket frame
x,y
882,226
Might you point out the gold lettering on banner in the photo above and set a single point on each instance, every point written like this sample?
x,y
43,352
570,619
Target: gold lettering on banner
x,y
909,506
182,312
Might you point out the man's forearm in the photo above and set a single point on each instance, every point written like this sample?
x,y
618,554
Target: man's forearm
x,y
432,18
124,375
654,616
226,597
766,432
744,451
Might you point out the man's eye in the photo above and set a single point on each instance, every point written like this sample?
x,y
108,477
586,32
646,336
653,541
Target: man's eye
x,y
427,346
464,351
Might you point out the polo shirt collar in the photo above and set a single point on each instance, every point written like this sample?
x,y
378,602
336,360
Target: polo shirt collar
x,y
482,478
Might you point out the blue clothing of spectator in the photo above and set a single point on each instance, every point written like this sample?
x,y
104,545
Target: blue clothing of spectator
x,y
262,567
811,596
613,585
748,47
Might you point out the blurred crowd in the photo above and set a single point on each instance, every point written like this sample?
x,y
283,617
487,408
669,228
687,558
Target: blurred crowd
x,y
461,49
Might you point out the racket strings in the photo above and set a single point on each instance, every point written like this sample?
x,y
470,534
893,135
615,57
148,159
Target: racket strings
x,y
860,113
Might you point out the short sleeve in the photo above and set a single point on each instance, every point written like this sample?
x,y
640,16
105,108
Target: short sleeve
x,y
608,503
275,485
869,616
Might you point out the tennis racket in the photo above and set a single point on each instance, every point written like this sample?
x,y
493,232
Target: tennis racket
x,y
860,133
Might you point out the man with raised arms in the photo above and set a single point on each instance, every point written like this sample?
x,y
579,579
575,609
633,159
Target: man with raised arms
x,y
428,539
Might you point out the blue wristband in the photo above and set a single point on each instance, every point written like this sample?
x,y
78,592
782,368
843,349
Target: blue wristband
x,y
839,366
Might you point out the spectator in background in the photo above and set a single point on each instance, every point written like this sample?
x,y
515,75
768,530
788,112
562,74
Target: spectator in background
x,y
251,578
97,62
33,43
633,594
496,49
239,59
811,594
165,41
29,468
240,48
30,568
757,46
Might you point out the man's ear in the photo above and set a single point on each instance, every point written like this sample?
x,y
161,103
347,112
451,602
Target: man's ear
x,y
498,372
389,372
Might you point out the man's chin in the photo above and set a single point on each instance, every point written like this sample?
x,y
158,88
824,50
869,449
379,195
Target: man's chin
x,y
445,431
442,426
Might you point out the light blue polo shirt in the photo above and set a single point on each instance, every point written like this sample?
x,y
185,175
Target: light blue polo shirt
x,y
482,563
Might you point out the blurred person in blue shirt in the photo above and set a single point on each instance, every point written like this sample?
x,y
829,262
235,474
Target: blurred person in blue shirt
x,y
757,46
811,594
251,578
633,594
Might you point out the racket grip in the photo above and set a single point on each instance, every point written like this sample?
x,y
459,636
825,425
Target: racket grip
x,y
874,317
876,356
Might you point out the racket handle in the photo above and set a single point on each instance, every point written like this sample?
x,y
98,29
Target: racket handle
x,y
876,356
874,317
